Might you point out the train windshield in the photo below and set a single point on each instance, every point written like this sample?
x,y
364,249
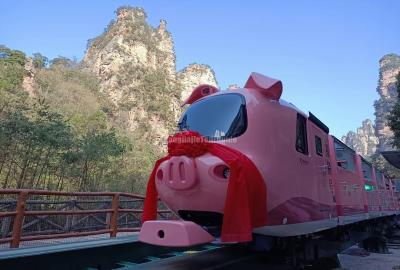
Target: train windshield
x,y
216,118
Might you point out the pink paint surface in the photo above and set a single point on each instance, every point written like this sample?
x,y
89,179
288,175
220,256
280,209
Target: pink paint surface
x,y
173,233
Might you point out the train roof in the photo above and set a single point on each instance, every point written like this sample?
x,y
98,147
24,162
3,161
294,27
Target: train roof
x,y
290,105
393,157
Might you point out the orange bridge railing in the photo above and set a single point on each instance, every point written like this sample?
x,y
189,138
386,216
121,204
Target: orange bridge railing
x,y
27,215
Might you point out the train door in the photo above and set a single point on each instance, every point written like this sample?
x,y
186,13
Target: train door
x,y
368,182
306,198
319,153
376,198
392,196
380,189
386,201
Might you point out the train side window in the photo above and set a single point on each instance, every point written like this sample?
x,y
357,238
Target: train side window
x,y
318,145
379,177
367,169
301,135
344,156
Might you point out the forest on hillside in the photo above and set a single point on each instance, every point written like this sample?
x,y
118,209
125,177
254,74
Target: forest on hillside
x,y
63,137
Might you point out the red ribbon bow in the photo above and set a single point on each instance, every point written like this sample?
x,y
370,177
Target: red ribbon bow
x,y
245,203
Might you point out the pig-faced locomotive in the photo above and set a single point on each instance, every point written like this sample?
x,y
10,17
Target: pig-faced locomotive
x,y
310,181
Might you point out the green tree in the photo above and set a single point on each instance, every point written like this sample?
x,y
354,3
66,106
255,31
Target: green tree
x,y
32,143
11,68
12,56
63,61
72,137
39,60
92,157
394,117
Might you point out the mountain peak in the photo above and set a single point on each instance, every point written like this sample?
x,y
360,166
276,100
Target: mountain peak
x,y
131,13
371,138
136,66
363,141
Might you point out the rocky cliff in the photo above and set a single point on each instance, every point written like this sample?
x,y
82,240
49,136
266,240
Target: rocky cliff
x,y
194,75
370,138
28,83
389,69
136,65
363,141
130,43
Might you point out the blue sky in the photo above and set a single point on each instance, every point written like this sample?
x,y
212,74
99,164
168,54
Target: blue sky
x,y
325,52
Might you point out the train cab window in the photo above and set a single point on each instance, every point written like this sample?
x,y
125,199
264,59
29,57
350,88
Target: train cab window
x,y
318,146
301,135
397,185
217,117
385,181
367,169
344,156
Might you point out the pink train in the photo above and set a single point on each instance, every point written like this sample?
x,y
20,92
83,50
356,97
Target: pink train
x,y
314,181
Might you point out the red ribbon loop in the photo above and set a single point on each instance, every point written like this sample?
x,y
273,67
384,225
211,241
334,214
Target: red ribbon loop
x,y
187,143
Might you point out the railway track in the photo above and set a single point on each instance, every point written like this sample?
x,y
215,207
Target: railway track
x,y
228,257
155,261
240,257
222,258
394,243
135,255
111,257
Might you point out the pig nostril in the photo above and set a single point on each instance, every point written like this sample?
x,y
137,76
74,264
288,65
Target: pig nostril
x,y
179,173
160,174
170,171
182,171
161,233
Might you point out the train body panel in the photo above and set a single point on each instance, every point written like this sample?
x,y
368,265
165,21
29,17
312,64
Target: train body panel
x,y
350,200
393,206
314,182
370,188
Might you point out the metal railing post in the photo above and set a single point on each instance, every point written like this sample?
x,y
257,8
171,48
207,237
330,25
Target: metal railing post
x,y
114,216
18,219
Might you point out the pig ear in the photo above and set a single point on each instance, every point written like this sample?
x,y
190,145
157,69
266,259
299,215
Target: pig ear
x,y
199,92
271,88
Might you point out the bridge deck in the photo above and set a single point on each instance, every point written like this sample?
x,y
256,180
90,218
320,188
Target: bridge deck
x,y
39,247
86,253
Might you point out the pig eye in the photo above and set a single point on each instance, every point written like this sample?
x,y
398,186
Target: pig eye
x,y
222,172
206,91
226,172
160,175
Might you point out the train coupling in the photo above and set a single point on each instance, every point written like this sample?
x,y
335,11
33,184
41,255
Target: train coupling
x,y
174,233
